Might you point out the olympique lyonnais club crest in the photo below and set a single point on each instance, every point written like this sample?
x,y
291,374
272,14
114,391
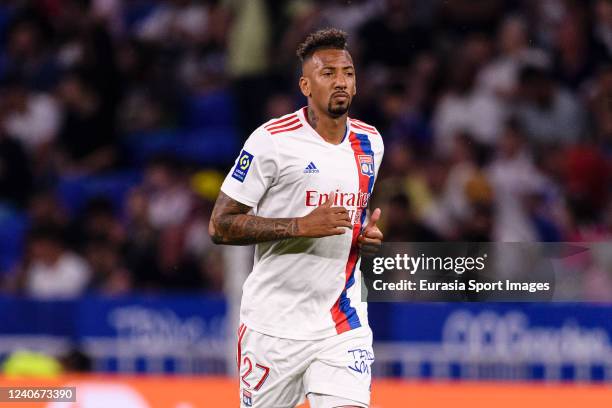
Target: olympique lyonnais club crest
x,y
247,398
366,164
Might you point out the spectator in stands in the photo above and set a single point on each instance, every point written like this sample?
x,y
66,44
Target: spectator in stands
x,y
551,204
402,223
44,207
170,200
461,104
602,28
587,186
15,171
577,53
600,103
109,275
212,271
175,22
85,46
402,174
397,110
86,142
434,213
395,38
141,247
280,104
466,190
500,76
513,177
28,53
151,97
50,270
351,16
478,226
544,18
249,44
548,112
33,118
461,17
98,220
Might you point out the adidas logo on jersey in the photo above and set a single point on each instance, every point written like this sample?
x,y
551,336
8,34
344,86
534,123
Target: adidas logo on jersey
x,y
311,168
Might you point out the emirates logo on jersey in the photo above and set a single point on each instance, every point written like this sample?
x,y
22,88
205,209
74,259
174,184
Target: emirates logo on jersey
x,y
359,200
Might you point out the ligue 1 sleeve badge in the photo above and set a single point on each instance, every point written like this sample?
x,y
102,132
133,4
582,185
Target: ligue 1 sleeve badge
x,y
366,164
242,166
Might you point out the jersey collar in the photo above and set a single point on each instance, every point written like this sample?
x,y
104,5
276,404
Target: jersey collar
x,y
303,116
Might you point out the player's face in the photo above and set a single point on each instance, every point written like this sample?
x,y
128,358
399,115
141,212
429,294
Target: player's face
x,y
329,81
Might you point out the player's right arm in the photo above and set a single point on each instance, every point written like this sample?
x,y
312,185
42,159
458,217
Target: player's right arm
x,y
231,224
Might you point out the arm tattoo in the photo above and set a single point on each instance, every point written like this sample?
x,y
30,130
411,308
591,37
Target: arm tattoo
x,y
313,119
231,224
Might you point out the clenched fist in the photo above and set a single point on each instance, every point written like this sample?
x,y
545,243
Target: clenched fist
x,y
371,238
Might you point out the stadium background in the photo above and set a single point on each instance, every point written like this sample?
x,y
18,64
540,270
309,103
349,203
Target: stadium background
x,y
119,119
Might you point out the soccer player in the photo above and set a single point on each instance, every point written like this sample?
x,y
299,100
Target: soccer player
x,y
299,190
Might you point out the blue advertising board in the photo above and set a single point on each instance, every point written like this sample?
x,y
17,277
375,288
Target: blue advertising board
x,y
189,334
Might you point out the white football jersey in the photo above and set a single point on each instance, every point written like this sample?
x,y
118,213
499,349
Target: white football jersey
x,y
305,288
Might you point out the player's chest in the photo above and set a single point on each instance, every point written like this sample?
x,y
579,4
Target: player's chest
x,y
325,168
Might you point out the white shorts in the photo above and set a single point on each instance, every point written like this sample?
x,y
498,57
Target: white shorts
x,y
278,373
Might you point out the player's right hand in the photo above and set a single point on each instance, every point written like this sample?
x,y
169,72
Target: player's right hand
x,y
325,220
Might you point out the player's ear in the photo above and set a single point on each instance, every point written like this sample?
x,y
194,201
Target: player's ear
x,y
305,86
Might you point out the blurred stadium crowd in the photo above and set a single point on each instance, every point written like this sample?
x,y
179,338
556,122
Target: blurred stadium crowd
x,y
119,120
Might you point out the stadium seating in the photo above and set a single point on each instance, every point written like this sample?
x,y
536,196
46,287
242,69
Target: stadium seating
x,y
210,146
210,109
13,225
75,191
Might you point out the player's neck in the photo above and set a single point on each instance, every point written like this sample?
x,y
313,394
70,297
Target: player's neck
x,y
330,129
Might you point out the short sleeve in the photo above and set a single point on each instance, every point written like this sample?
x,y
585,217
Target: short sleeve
x,y
254,171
